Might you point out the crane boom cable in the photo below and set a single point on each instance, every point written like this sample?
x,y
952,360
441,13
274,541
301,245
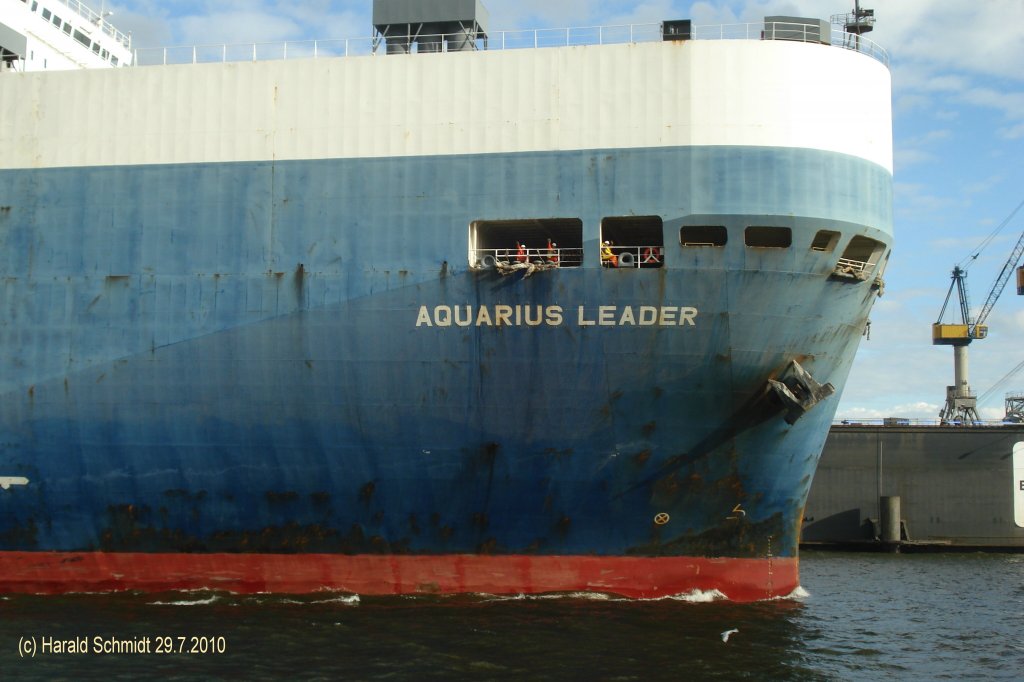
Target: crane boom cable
x,y
996,386
1002,279
987,240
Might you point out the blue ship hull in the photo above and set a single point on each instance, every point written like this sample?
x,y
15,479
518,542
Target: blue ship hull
x,y
234,358
261,338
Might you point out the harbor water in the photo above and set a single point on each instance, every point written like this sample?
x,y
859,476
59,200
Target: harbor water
x,y
857,617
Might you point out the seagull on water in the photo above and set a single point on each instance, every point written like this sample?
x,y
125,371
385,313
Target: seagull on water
x,y
725,635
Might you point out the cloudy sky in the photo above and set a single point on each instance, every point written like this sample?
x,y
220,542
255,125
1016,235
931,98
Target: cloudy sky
x,y
958,99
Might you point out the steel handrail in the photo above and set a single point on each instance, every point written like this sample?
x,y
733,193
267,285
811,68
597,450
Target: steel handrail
x,y
563,257
94,17
507,40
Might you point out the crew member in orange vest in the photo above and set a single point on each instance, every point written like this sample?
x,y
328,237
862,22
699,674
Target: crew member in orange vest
x,y
552,252
520,252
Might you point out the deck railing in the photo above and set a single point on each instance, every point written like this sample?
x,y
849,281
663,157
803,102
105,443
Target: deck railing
x,y
99,19
855,269
886,422
501,40
563,258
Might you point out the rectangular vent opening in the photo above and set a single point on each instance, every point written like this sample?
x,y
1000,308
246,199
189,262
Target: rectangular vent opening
x,y
703,235
825,240
768,237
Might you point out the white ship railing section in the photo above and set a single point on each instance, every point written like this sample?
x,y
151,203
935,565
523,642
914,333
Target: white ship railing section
x,y
563,258
502,40
635,257
99,20
854,268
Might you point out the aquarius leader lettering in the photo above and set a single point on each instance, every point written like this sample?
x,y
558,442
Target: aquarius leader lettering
x,y
555,316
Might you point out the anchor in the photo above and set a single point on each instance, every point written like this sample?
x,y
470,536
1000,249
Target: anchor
x,y
799,391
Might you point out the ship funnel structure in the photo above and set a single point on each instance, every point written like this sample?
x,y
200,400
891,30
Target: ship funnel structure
x,y
406,26
799,391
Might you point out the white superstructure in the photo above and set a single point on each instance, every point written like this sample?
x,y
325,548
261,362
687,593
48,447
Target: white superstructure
x,y
757,93
41,35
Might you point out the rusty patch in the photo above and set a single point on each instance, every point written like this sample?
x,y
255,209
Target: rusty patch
x,y
479,520
666,488
366,492
286,497
444,269
726,539
178,493
641,457
24,536
117,278
648,428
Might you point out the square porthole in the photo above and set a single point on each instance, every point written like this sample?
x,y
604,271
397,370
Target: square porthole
x,y
768,237
825,241
703,235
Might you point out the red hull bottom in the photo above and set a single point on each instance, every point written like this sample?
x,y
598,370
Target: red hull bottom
x,y
637,577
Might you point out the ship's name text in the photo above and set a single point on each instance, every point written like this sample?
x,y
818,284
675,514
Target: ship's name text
x,y
555,316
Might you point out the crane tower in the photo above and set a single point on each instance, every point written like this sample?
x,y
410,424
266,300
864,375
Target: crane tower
x,y
961,403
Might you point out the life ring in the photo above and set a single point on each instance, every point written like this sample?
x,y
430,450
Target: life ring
x,y
489,262
626,260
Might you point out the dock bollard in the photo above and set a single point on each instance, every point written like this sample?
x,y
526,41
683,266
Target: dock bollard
x,y
889,508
